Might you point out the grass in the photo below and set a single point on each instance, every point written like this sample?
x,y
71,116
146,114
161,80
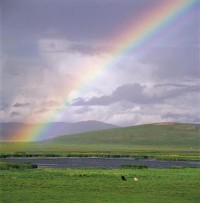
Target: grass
x,y
162,141
172,135
100,186
134,166
160,155
166,141
10,165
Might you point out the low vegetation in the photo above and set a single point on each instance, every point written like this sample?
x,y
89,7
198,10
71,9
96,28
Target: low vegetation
x,y
100,185
165,141
160,141
159,155
11,165
134,166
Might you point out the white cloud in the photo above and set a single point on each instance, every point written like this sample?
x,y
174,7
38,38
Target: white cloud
x,y
91,72
60,73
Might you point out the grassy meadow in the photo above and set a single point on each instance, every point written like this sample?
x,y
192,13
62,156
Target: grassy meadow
x,y
171,141
100,186
161,141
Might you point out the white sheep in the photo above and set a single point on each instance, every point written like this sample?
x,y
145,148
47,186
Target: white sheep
x,y
135,179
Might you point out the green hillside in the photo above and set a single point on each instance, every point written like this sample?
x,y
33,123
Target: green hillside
x,y
163,135
165,140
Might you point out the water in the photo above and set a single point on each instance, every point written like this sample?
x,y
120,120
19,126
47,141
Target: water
x,y
83,162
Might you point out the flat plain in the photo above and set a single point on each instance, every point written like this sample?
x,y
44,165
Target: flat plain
x,y
100,185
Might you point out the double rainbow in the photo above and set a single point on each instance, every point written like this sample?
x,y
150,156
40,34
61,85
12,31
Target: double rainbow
x,y
132,36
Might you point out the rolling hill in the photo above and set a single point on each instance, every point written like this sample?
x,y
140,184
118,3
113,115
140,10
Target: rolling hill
x,y
57,128
159,135
150,139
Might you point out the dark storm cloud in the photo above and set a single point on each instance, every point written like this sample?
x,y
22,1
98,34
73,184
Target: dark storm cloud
x,y
26,21
136,93
74,18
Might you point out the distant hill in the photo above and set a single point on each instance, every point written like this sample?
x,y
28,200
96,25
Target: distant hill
x,y
163,135
57,128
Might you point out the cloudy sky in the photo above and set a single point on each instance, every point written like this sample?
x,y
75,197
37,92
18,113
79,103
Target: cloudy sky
x,y
49,47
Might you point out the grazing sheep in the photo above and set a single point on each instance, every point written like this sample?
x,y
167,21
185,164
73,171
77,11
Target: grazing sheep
x,y
135,179
123,178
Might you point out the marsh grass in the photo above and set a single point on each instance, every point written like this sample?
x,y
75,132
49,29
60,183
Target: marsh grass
x,y
11,165
159,155
134,166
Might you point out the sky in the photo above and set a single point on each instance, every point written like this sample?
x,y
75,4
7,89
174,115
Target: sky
x,y
48,46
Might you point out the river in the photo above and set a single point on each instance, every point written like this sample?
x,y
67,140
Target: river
x,y
92,162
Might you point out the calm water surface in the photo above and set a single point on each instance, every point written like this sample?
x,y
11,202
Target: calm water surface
x,y
76,162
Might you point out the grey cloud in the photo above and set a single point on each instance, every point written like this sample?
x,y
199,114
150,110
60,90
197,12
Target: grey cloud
x,y
104,100
88,27
175,63
126,92
83,48
18,76
45,106
74,18
3,106
135,93
175,90
83,110
42,110
15,113
176,85
87,49
49,103
129,92
17,105
26,21
181,117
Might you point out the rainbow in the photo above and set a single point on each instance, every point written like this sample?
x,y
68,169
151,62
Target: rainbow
x,y
134,35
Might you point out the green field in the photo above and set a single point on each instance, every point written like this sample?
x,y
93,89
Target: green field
x,y
171,141
100,186
162,141
166,135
